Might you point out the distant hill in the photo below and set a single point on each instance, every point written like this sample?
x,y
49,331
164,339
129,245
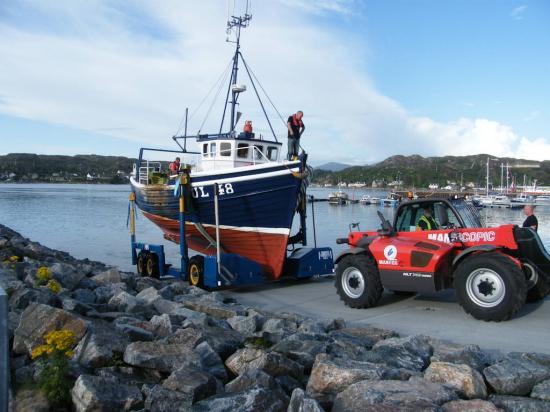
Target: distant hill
x,y
333,166
421,171
26,167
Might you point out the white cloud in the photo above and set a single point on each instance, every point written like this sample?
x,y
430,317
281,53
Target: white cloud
x,y
517,13
104,69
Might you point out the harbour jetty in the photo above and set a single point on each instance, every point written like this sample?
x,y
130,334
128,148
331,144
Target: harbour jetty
x,y
87,337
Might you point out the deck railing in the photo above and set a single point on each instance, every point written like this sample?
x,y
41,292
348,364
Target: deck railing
x,y
4,352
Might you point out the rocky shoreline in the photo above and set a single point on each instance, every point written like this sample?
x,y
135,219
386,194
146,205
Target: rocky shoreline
x,y
160,345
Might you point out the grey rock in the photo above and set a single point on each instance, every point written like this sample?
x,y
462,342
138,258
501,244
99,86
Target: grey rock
x,y
257,398
474,405
413,352
462,378
247,325
471,355
312,326
276,329
253,378
520,404
84,295
107,277
101,345
301,402
336,324
542,391
149,295
288,383
124,302
95,393
303,348
515,376
162,325
106,292
331,375
193,382
190,337
367,336
393,395
31,400
273,363
66,275
145,282
135,333
215,309
131,375
73,305
37,320
210,361
155,355
160,399
23,297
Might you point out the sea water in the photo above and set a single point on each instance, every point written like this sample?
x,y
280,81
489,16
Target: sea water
x,y
90,221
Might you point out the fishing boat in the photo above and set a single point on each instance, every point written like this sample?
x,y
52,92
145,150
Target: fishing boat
x,y
501,201
374,200
392,200
365,200
259,191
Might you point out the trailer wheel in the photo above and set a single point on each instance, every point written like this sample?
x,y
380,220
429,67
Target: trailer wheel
x,y
141,263
152,266
358,281
196,271
538,286
490,286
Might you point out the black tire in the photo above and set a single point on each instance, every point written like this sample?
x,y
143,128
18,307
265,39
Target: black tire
x,y
358,281
152,266
141,263
403,293
538,285
195,270
490,286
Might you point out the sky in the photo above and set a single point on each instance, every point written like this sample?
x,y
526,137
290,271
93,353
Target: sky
x,y
374,78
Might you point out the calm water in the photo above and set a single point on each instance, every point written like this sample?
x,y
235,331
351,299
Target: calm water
x,y
89,221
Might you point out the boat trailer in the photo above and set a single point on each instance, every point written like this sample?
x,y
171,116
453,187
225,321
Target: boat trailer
x,y
221,270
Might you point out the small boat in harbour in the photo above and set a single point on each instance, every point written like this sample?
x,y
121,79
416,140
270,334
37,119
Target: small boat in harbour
x,y
338,198
392,200
365,200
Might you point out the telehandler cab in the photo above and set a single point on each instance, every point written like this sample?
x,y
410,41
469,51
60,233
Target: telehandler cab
x,y
494,270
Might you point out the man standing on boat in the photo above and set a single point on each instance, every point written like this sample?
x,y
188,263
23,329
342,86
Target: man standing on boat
x,y
531,220
175,166
295,127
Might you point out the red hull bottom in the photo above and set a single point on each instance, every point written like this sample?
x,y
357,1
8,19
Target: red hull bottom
x,y
267,249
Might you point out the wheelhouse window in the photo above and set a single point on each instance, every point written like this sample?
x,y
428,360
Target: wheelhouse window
x,y
205,150
242,150
272,153
212,149
258,152
225,149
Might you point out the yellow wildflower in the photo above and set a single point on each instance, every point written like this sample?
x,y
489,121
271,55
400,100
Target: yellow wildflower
x,y
53,286
14,259
43,275
56,341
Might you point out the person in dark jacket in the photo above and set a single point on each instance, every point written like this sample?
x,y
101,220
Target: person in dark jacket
x,y
295,127
531,220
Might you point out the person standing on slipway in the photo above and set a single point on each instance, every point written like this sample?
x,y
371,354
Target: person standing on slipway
x,y
295,127
531,220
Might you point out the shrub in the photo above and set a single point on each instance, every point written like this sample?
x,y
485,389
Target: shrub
x,y
43,276
54,357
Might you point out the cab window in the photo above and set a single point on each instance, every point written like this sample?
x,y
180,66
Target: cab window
x,y
212,149
272,153
205,149
242,150
225,149
408,218
258,152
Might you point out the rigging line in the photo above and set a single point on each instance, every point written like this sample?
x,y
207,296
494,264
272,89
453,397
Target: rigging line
x,y
268,98
214,100
258,96
224,73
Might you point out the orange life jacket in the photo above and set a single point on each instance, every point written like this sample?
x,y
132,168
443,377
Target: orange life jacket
x,y
248,126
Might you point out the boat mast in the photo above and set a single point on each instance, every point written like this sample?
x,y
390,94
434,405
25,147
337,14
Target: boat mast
x,y
236,22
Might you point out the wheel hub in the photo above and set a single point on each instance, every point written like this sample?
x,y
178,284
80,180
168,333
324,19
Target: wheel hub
x,y
485,287
353,282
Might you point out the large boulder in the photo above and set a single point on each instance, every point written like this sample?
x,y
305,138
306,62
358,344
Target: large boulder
x,y
160,399
96,393
39,319
276,329
301,402
67,275
193,382
106,292
331,375
471,355
303,348
102,344
211,307
466,381
247,325
271,362
149,295
107,277
367,336
391,395
520,404
542,391
474,405
31,400
162,325
516,375
412,352
256,398
155,355
124,302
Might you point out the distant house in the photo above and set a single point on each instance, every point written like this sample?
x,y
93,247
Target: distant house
x,y
89,177
433,186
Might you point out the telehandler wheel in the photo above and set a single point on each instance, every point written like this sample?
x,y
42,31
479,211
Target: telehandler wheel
x,y
490,286
195,271
538,286
358,281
